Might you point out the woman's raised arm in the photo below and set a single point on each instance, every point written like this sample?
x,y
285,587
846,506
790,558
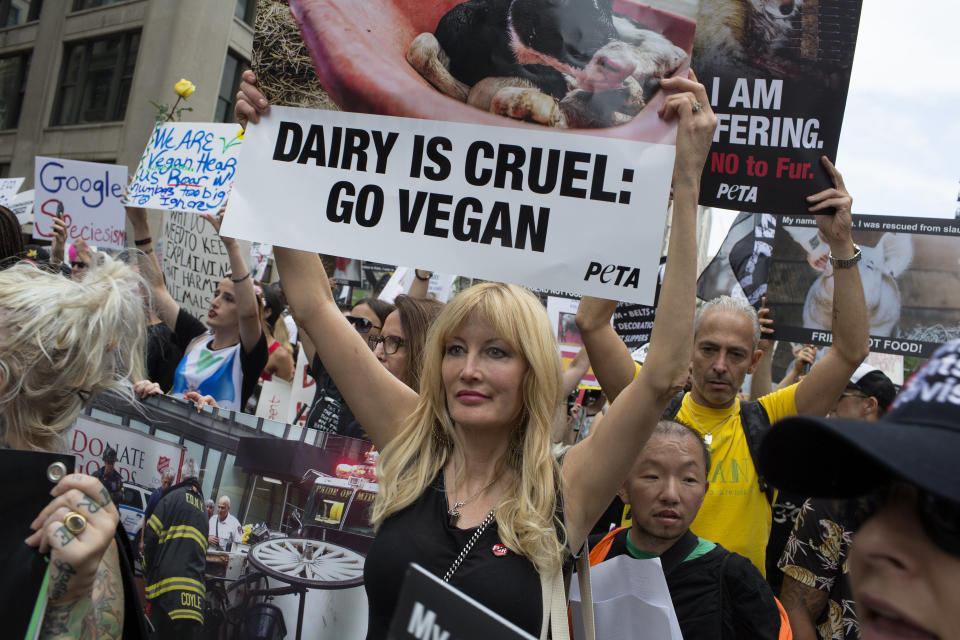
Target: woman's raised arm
x,y
595,468
345,354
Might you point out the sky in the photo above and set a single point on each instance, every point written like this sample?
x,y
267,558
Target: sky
x,y
899,148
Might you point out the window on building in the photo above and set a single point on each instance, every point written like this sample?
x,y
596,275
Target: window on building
x,y
229,85
246,10
80,5
13,82
14,12
95,79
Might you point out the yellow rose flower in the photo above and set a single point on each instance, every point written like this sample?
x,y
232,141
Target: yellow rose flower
x,y
184,88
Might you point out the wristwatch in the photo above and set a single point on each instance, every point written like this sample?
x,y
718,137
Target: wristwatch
x,y
846,263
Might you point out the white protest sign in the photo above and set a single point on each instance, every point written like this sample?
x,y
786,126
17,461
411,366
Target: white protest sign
x,y
440,286
8,189
259,257
90,193
141,458
194,261
274,400
187,166
22,206
543,208
302,391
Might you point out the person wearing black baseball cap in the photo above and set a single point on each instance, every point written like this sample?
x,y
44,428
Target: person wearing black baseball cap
x,y
816,592
905,557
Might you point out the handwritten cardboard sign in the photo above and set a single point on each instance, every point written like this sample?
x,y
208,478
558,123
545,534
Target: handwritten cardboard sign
x,y
90,193
8,189
187,166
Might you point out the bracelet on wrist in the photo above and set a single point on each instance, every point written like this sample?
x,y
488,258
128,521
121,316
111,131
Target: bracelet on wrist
x,y
416,272
241,278
143,241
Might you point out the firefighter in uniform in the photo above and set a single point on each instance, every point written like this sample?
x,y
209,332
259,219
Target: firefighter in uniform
x,y
175,551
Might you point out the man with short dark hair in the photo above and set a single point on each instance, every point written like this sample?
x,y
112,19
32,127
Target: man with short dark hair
x,y
716,594
816,589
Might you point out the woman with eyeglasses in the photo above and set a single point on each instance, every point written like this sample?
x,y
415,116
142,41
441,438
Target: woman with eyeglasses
x,y
61,342
904,557
223,359
466,465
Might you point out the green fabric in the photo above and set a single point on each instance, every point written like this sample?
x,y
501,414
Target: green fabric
x,y
33,629
639,554
703,547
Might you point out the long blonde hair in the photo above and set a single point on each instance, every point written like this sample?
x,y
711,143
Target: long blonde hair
x,y
62,341
526,513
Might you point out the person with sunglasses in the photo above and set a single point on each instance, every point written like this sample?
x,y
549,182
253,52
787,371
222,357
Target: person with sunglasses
x,y
904,557
79,254
816,583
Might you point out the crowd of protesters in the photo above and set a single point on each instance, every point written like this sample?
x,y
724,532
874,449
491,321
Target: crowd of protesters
x,y
466,402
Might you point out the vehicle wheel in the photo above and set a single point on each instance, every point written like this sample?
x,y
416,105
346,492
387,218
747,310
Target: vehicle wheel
x,y
309,563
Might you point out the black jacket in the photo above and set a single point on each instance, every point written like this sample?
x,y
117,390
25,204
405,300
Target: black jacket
x,y
175,552
717,596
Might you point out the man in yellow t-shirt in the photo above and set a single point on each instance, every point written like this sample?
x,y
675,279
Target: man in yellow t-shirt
x,y
736,513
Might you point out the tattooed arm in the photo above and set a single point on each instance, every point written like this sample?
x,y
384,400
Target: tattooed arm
x,y
85,593
803,605
100,615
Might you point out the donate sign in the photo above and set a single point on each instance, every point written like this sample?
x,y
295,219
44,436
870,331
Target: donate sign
x,y
545,209
187,166
90,193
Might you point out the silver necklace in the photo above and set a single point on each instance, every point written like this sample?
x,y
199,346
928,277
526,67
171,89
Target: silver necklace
x,y
708,435
454,511
466,548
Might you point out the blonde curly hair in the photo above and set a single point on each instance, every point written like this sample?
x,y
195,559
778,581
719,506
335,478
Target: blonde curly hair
x,y
526,513
63,341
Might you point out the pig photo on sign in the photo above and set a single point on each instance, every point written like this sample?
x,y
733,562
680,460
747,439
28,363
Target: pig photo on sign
x,y
880,266
578,64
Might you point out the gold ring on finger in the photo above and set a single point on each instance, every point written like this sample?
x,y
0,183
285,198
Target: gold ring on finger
x,y
75,523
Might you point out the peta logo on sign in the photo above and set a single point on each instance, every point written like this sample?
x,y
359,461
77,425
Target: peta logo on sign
x,y
617,274
423,624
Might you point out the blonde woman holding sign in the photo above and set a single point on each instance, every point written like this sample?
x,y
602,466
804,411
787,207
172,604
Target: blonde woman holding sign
x,y
469,488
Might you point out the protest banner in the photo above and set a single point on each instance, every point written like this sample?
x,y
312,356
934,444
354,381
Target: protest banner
x,y
259,258
274,402
141,458
911,279
634,323
777,77
8,189
562,313
194,261
90,193
741,265
187,166
439,288
301,392
22,206
533,204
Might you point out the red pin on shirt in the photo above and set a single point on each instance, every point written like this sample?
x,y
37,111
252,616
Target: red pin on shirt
x,y
499,550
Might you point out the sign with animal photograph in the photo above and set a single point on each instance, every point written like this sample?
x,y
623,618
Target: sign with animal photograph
x,y
470,167
187,166
562,313
911,279
777,73
89,195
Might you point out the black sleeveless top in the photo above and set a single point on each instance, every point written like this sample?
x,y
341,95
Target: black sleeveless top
x,y
508,584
